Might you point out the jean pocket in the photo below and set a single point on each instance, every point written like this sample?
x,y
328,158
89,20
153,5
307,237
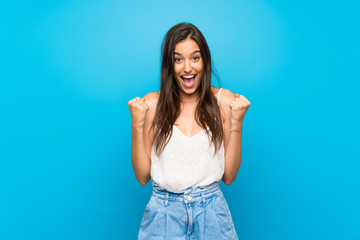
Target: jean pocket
x,y
148,207
225,207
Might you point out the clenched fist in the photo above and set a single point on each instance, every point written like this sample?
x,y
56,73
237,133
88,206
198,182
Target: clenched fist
x,y
138,109
238,108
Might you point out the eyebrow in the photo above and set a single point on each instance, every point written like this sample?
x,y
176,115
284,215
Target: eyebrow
x,y
191,53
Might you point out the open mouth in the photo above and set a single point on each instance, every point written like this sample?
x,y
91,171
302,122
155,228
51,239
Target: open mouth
x,y
189,80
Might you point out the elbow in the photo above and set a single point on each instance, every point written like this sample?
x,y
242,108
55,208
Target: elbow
x,y
228,181
142,183
143,180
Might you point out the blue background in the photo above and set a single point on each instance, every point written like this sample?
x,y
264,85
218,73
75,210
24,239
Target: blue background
x,y
68,69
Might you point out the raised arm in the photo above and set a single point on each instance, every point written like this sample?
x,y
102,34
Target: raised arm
x,y
234,107
142,112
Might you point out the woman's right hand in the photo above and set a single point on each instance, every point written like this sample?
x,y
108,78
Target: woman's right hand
x,y
138,109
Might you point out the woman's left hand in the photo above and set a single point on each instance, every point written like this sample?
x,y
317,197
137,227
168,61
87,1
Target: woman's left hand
x,y
238,107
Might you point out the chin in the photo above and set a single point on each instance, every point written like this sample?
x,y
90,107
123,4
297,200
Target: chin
x,y
189,90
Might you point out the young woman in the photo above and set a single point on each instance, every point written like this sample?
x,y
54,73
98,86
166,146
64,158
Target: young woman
x,y
186,138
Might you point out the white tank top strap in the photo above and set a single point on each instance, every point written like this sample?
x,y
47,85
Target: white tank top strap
x,y
218,96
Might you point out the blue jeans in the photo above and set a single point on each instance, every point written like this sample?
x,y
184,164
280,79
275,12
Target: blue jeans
x,y
195,213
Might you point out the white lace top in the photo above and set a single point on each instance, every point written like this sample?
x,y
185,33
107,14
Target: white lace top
x,y
187,161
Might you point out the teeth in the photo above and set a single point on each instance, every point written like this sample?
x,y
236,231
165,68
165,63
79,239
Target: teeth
x,y
191,76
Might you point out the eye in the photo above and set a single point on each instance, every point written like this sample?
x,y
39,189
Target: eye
x,y
177,59
196,58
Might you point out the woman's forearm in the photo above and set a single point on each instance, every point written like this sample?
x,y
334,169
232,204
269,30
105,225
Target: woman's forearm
x,y
233,154
139,159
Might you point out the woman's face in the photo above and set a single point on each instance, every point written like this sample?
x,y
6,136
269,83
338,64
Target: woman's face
x,y
188,65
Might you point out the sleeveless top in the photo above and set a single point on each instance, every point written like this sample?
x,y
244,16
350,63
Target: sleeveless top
x,y
187,161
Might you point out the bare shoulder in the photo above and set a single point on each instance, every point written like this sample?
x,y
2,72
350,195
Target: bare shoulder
x,y
151,100
226,96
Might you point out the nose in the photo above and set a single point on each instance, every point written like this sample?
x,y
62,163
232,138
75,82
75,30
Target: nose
x,y
187,67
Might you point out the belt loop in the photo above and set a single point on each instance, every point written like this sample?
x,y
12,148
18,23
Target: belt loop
x,y
202,195
167,199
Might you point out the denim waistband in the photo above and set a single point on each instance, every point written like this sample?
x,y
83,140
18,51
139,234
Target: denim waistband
x,y
191,194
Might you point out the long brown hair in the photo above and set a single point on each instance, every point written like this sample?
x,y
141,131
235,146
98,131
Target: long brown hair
x,y
207,112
